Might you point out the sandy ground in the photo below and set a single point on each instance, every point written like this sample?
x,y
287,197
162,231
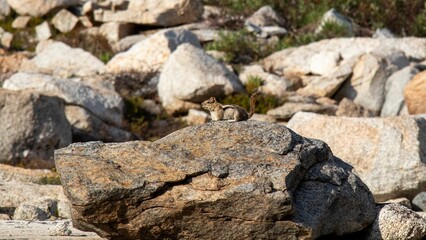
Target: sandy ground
x,y
49,230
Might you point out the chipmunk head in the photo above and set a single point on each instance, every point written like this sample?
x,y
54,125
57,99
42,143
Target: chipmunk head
x,y
209,103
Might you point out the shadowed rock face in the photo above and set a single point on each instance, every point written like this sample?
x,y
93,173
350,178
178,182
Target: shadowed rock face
x,y
215,181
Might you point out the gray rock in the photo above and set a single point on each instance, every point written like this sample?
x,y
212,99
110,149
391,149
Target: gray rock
x,y
88,127
387,153
395,84
64,21
38,8
366,86
154,13
347,108
202,75
266,16
43,31
395,221
419,202
215,181
323,63
59,59
39,209
150,54
332,16
402,201
295,60
327,85
127,42
32,126
103,103
4,9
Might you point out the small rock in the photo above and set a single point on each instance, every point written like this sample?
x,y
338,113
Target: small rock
x,y
402,201
151,107
43,31
196,117
332,16
286,111
347,108
85,21
115,31
64,21
266,16
21,22
4,217
6,39
383,33
4,9
419,202
395,221
127,42
262,118
39,209
60,229
415,94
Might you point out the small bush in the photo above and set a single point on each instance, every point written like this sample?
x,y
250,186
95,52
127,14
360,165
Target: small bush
x,y
50,180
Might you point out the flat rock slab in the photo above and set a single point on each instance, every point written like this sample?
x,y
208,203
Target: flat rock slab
x,y
214,181
40,230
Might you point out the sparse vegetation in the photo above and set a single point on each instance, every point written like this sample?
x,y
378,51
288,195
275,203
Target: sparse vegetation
x,y
50,180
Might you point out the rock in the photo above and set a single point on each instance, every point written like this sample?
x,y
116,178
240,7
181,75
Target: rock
x,y
323,63
266,22
293,60
366,86
59,59
127,42
11,173
151,107
4,217
383,33
402,201
87,127
61,229
41,230
327,85
394,101
419,201
115,31
4,9
385,152
10,64
266,16
395,221
21,22
64,21
139,84
202,75
103,103
38,8
272,84
286,111
43,31
347,108
14,193
5,38
332,16
38,209
217,180
196,117
262,118
150,54
154,13
85,21
32,126
415,94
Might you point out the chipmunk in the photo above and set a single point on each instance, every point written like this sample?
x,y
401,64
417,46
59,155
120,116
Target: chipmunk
x,y
232,113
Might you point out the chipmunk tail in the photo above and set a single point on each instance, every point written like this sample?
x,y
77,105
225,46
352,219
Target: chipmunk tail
x,y
253,98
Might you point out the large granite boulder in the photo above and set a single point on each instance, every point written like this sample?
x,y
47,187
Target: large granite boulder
x,y
214,181
32,126
387,153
